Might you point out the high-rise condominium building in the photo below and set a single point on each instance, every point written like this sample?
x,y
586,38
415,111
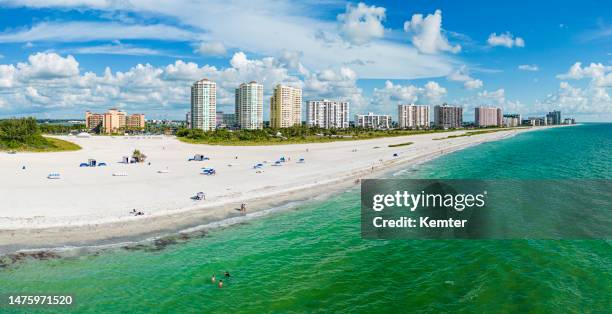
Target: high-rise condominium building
x,y
512,120
328,114
484,116
413,116
373,121
114,121
553,117
448,117
135,121
249,106
204,105
285,107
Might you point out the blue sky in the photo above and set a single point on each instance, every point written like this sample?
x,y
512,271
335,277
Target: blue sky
x,y
62,57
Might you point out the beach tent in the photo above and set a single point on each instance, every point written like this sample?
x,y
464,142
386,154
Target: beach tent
x,y
101,164
277,163
199,157
258,166
282,159
84,164
301,161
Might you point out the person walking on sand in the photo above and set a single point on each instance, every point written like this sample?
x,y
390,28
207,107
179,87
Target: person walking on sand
x,y
220,283
213,279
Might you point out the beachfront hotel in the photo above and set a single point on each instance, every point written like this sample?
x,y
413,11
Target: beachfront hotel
x,y
328,114
113,121
413,116
285,107
553,118
448,117
204,105
484,116
249,106
373,121
512,120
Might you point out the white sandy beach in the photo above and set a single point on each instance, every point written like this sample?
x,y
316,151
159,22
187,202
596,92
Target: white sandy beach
x,y
91,203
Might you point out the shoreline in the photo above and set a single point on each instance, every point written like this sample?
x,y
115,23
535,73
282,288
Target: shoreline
x,y
188,220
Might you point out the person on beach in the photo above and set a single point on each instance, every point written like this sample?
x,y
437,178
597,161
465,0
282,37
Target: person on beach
x,y
220,283
213,279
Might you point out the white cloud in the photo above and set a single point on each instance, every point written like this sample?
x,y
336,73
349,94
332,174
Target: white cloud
x,y
386,99
506,40
427,34
600,75
48,82
473,84
115,49
362,23
211,48
462,74
592,99
497,97
230,22
48,66
528,67
90,31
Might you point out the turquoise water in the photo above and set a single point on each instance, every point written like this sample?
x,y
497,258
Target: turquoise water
x,y
312,259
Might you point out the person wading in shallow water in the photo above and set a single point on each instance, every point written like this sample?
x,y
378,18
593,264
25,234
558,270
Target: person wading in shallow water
x,y
220,283
213,279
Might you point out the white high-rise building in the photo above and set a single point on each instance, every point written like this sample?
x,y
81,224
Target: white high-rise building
x,y
285,107
328,114
413,116
373,121
249,106
204,105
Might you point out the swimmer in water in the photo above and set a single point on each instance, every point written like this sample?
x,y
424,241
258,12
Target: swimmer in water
x,y
213,279
227,274
220,283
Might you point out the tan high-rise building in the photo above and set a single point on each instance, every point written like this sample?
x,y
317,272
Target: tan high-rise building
x,y
448,117
135,121
413,116
488,116
285,107
204,105
114,121
94,121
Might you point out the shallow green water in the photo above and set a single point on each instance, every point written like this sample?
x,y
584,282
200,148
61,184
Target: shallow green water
x,y
312,258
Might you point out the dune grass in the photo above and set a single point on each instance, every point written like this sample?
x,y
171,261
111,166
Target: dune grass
x,y
48,144
401,144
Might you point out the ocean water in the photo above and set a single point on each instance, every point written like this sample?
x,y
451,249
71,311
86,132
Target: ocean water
x,y
311,258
